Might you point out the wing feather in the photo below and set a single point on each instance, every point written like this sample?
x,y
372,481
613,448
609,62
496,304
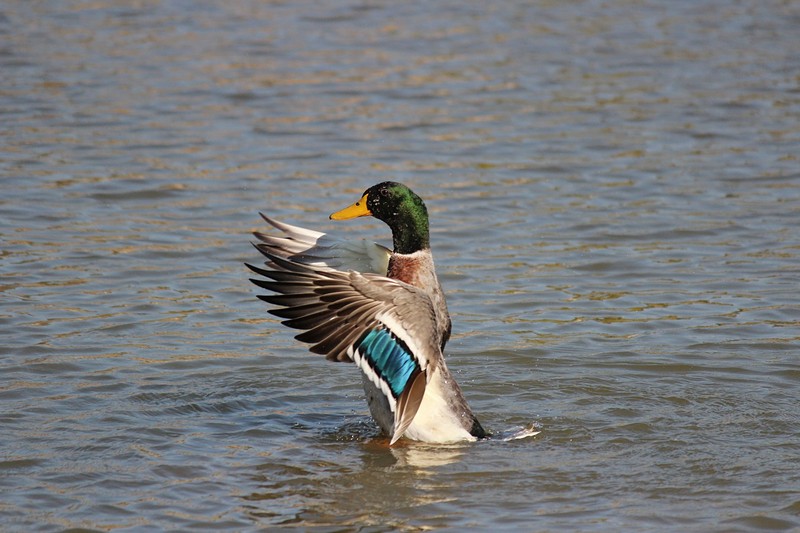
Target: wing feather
x,y
323,251
408,404
385,325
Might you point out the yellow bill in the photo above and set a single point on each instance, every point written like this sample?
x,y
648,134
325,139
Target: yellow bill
x,y
358,209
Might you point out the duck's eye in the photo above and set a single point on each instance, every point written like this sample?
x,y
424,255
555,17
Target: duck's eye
x,y
384,192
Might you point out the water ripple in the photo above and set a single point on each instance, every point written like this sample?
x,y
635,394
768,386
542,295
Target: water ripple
x,y
614,196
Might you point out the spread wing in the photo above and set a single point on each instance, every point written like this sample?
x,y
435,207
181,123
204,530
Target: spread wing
x,y
385,326
311,247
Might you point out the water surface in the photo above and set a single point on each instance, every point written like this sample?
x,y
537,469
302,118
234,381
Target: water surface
x,y
614,194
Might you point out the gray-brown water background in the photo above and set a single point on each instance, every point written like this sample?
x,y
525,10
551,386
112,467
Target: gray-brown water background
x,y
614,190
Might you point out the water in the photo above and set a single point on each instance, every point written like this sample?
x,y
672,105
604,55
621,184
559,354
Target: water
x,y
614,193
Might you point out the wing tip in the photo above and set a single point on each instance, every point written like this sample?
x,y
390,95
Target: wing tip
x,y
408,404
269,220
292,232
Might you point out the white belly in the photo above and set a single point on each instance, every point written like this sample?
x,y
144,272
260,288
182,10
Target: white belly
x,y
436,421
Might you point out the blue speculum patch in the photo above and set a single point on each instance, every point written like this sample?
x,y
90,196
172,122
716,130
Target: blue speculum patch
x,y
389,357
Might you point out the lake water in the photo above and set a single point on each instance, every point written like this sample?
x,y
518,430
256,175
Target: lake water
x,y
614,189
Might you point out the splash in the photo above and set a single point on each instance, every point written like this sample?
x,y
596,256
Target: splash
x,y
520,432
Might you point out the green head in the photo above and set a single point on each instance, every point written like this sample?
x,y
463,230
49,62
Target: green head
x,y
400,208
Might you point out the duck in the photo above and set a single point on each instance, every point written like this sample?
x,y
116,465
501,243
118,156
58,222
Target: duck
x,y
382,309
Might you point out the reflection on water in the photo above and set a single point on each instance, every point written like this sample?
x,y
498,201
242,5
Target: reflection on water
x,y
425,458
614,194
312,495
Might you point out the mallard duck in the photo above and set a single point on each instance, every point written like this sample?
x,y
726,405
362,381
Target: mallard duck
x,y
382,309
